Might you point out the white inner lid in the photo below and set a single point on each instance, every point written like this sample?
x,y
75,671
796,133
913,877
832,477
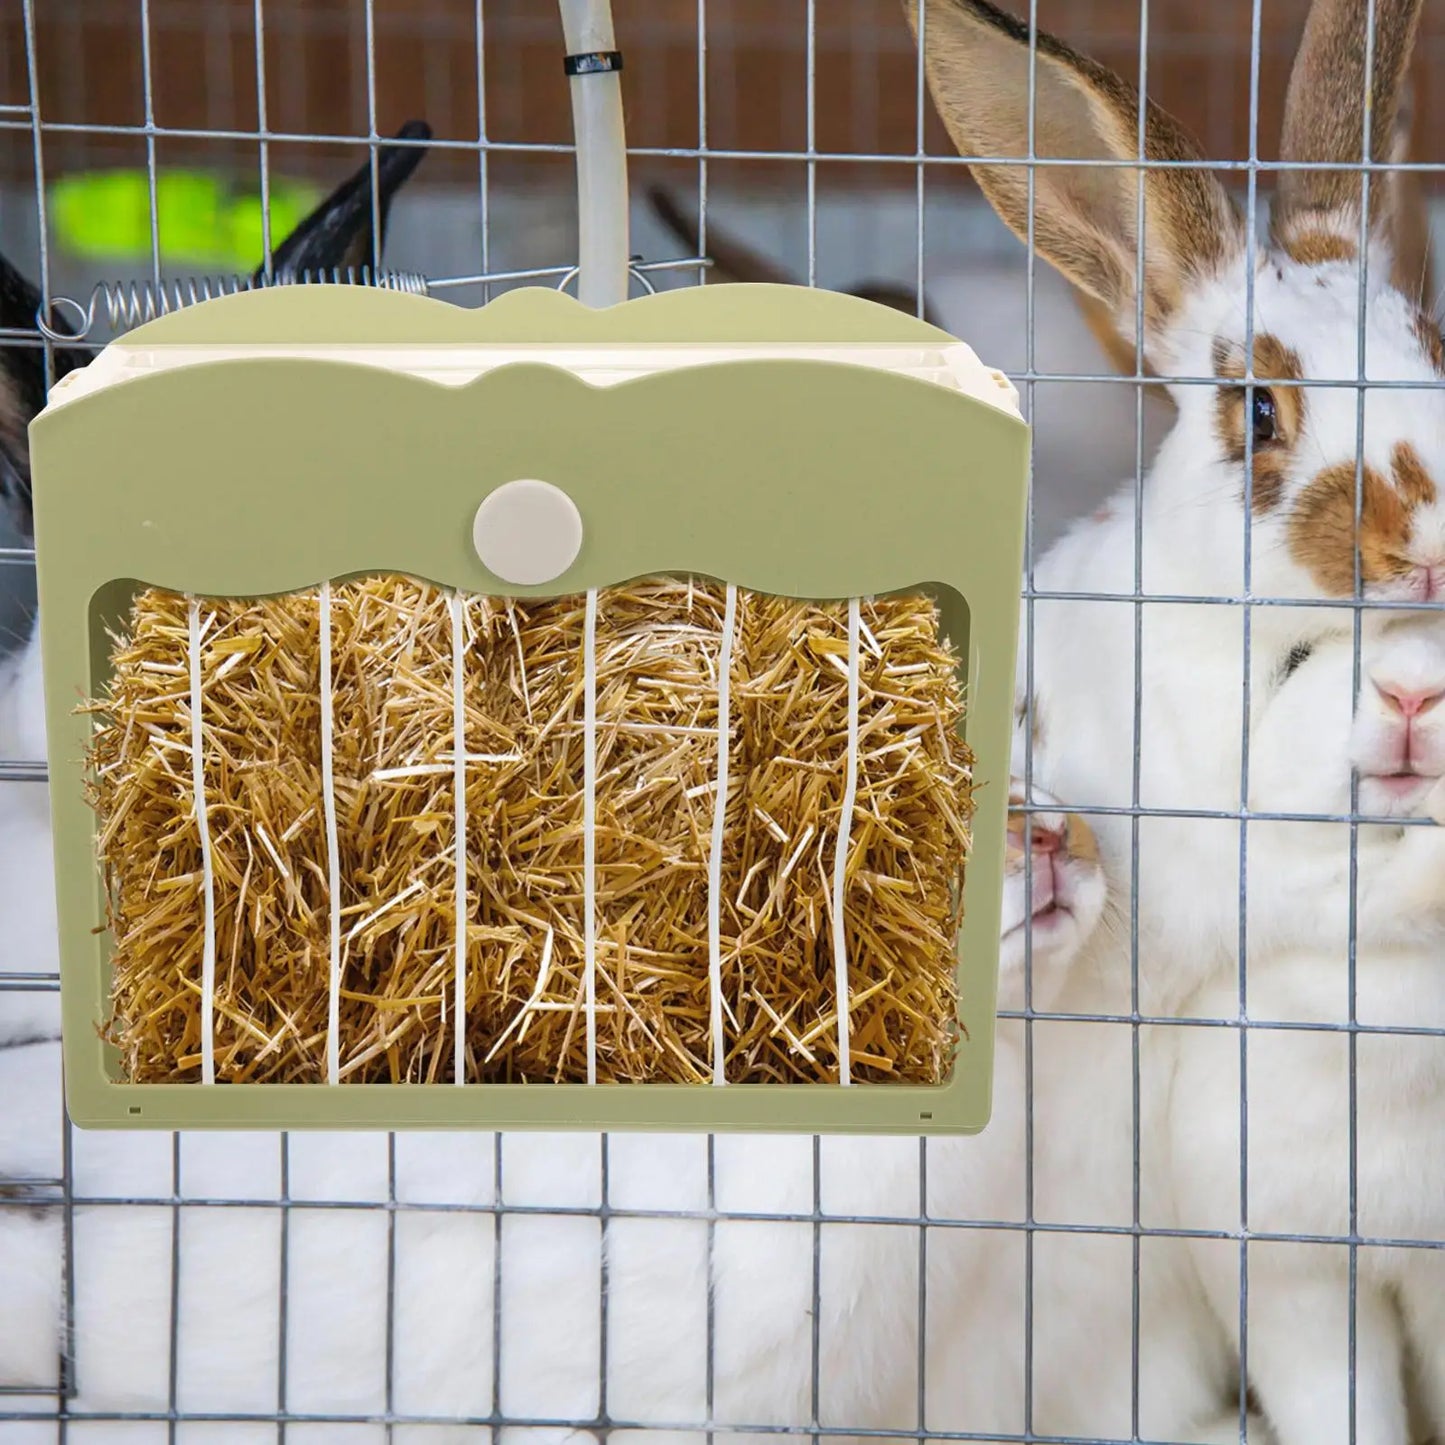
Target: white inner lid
x,y
949,364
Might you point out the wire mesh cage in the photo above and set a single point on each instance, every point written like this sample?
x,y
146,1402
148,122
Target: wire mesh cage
x,y
1014,1286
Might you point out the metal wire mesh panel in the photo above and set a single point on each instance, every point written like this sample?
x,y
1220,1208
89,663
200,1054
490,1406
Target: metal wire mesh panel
x,y
429,1288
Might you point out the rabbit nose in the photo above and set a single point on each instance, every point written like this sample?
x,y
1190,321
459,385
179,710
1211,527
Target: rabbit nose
x,y
1044,839
1427,581
1407,701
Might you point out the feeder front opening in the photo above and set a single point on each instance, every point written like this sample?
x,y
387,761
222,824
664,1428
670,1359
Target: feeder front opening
x,y
315,920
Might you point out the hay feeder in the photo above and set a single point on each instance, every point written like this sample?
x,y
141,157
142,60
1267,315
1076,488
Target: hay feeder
x,y
394,657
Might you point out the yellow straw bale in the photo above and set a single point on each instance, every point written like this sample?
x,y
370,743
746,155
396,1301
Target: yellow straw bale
x,y
657,648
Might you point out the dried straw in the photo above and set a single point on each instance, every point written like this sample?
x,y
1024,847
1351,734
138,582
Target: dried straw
x,y
658,645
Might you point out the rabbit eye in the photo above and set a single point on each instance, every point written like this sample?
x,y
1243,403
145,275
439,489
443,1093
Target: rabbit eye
x,y
1264,417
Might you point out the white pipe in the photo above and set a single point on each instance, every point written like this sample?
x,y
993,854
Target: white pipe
x,y
602,239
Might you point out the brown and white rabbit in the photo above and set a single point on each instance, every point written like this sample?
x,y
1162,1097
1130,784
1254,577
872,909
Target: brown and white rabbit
x,y
1204,284
1299,1079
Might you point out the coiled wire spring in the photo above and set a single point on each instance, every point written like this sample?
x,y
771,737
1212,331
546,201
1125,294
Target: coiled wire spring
x,y
126,304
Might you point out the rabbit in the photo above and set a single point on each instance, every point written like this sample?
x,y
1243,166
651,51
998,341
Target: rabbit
x,y
1201,275
756,1273
1299,1080
1076,1082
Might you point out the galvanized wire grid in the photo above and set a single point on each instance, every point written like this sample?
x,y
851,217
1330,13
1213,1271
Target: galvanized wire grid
x,y
62,1194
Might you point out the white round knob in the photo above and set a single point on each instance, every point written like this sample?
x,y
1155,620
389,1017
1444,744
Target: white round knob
x,y
527,532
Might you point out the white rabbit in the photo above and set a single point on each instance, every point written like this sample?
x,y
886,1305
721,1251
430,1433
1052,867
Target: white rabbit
x,y
1081,1097
1205,287
1299,1112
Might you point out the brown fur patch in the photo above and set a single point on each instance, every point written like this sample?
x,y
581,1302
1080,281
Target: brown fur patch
x,y
1080,839
1315,248
1428,332
1273,361
1412,481
1322,530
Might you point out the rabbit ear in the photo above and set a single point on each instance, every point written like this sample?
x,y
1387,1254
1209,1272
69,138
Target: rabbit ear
x,y
1100,320
1085,217
1316,213
22,386
338,233
1119,351
900,298
1408,217
733,261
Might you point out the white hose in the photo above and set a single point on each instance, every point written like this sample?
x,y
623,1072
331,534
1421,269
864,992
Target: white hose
x,y
602,237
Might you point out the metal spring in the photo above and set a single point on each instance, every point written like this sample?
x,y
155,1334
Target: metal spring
x,y
132,303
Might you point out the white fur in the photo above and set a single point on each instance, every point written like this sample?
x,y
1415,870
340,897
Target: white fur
x,y
1298,1081
1082,1101
27,899
1191,659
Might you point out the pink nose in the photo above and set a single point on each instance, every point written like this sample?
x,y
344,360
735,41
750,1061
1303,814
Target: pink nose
x,y
1045,840
1408,702
1427,582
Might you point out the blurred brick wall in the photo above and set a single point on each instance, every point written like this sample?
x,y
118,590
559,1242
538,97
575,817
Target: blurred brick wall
x,y
203,63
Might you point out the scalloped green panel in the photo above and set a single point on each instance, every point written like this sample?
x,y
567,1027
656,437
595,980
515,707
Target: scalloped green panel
x,y
812,479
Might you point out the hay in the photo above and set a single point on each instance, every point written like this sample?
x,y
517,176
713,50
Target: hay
x,y
657,650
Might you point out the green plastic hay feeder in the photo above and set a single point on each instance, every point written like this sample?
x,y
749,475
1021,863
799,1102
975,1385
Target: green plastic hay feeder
x,y
791,441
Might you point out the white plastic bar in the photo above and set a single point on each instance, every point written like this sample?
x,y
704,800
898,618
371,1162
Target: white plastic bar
x,y
840,860
208,878
589,829
602,240
459,791
719,812
333,849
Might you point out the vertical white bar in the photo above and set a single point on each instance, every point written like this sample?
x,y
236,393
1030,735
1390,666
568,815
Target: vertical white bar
x,y
208,880
333,859
840,860
459,791
719,811
589,828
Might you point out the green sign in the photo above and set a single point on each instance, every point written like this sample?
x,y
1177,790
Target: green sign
x,y
202,219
